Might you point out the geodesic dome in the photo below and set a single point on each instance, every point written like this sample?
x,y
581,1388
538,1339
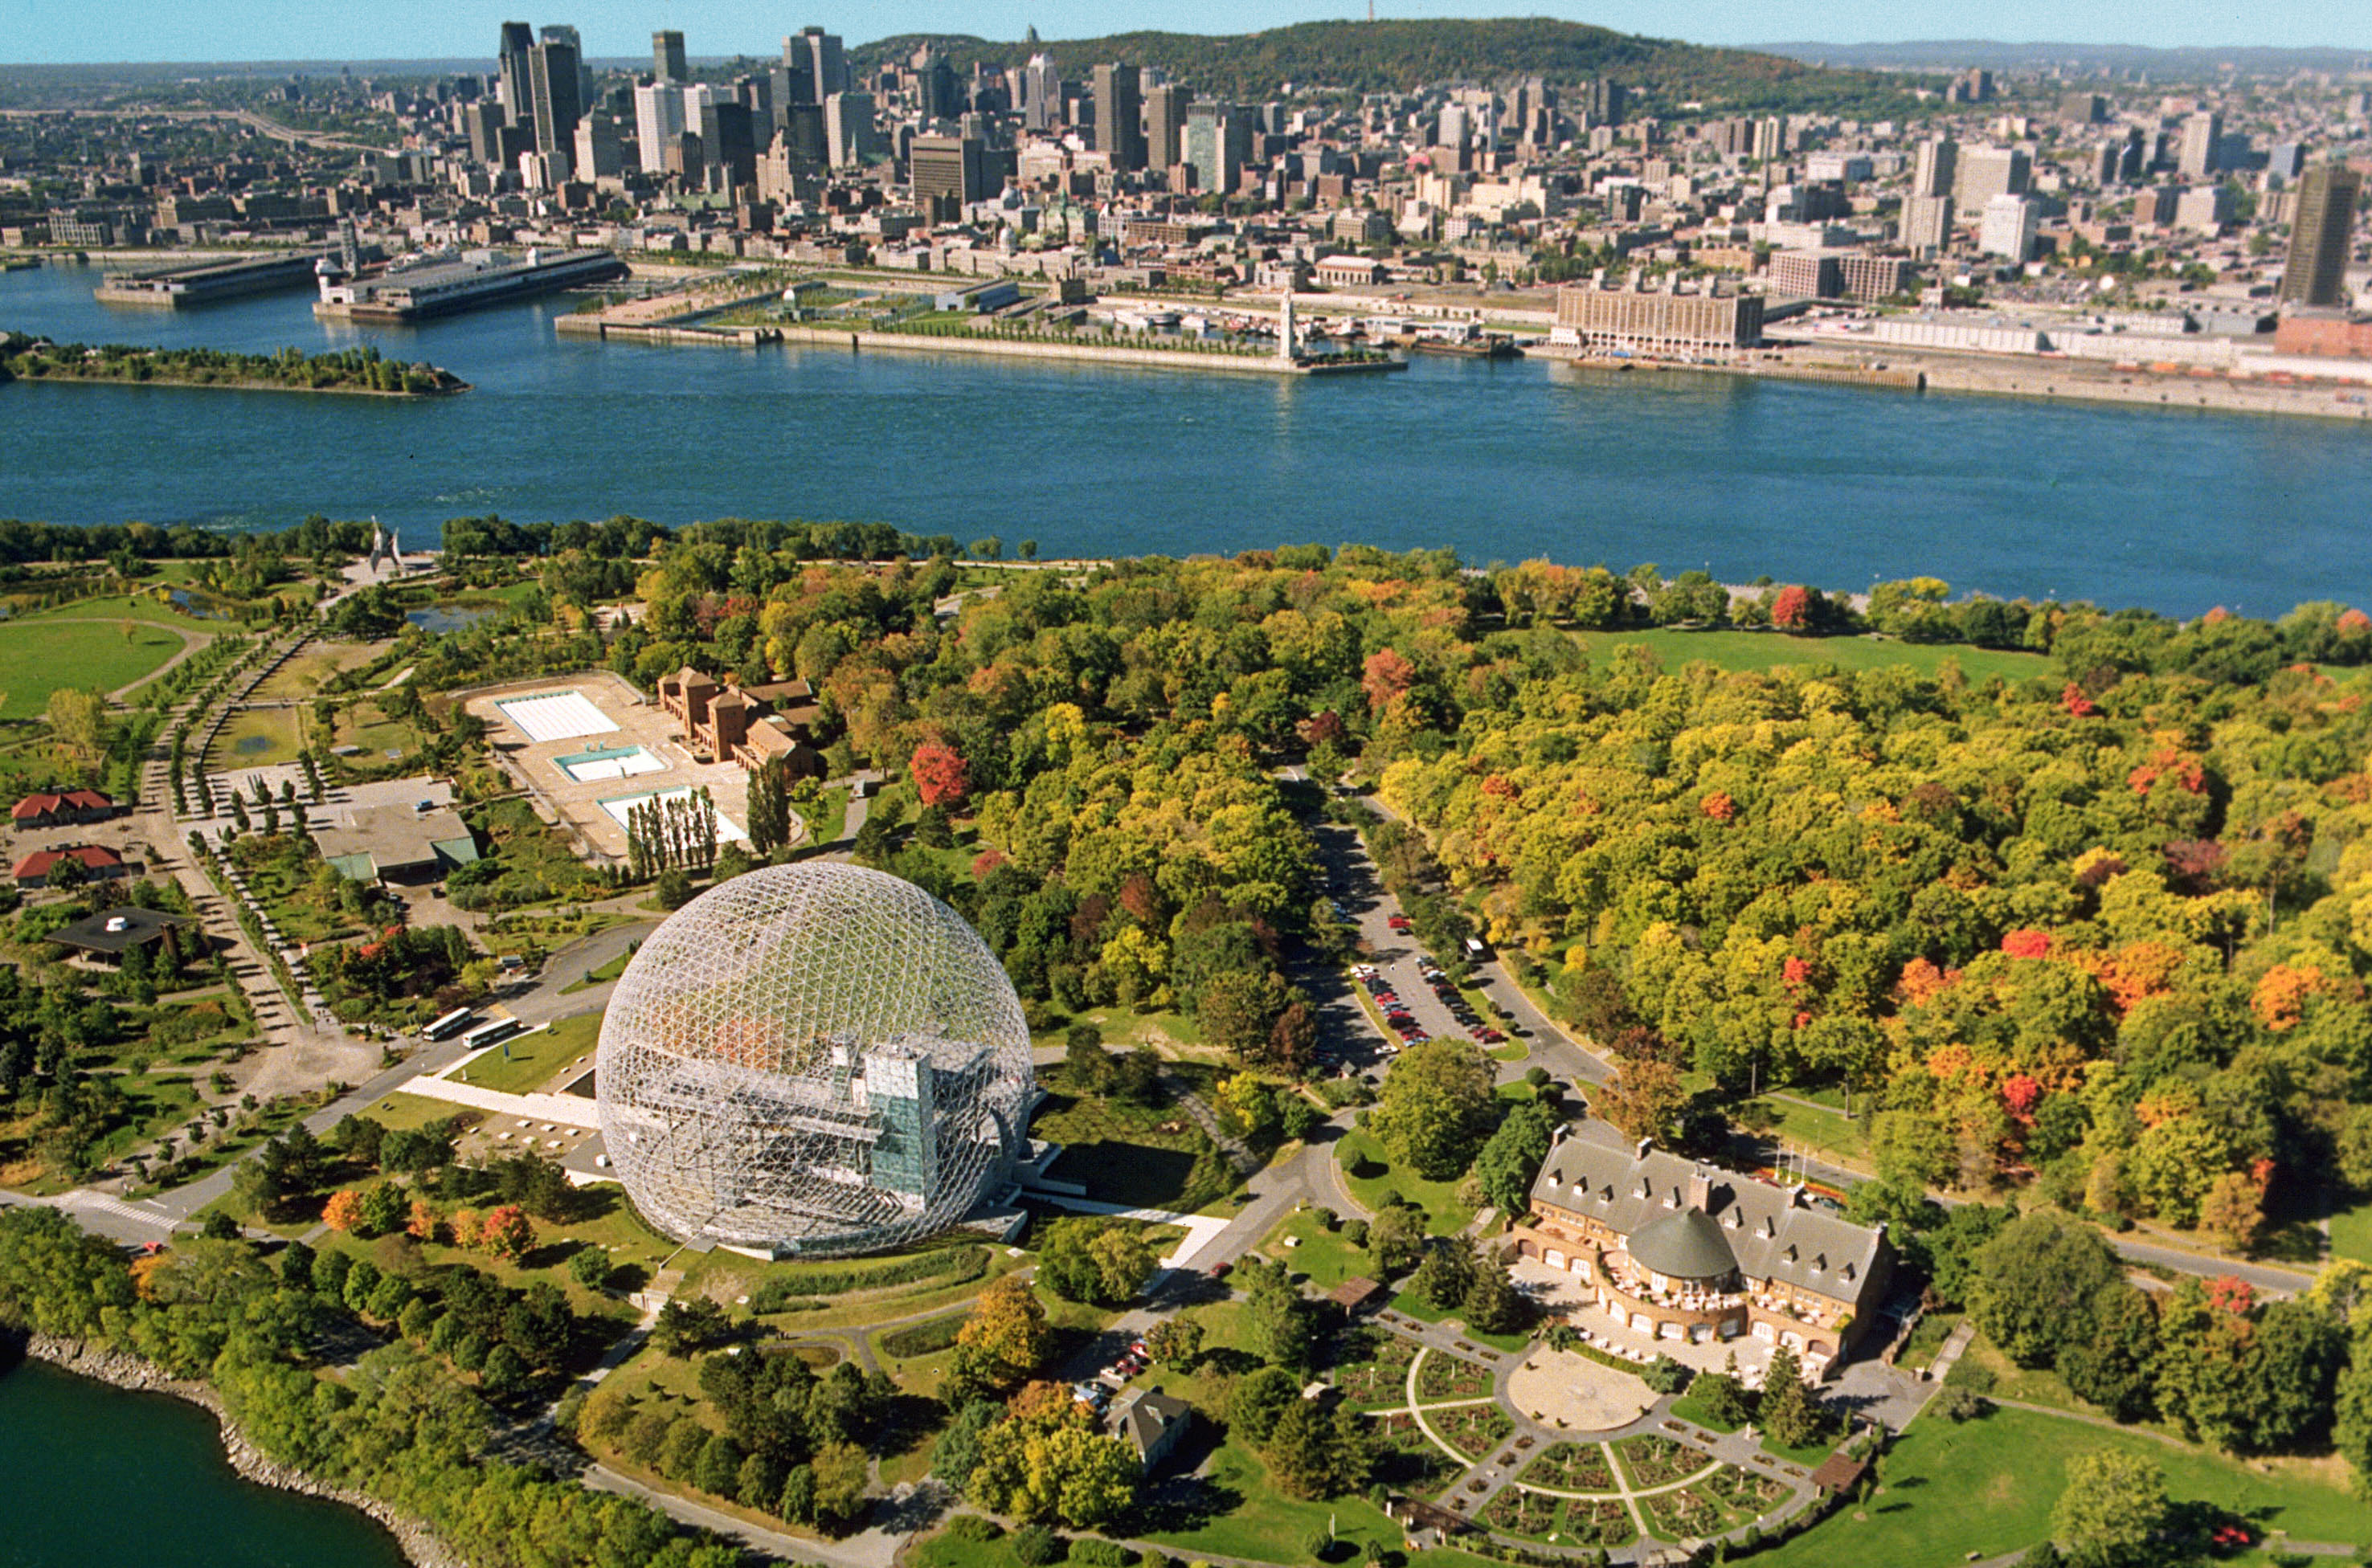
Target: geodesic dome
x,y
812,1058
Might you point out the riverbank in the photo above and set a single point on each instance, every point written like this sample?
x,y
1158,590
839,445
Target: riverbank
x,y
118,1369
190,383
591,325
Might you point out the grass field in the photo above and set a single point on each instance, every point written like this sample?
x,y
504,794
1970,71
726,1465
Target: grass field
x,y
257,738
1146,1156
2350,1232
313,669
1986,1487
1444,1215
39,654
1769,650
534,1058
1322,1256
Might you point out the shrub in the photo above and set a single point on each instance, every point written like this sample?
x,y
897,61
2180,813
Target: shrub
x,y
974,1530
1035,1546
1100,1553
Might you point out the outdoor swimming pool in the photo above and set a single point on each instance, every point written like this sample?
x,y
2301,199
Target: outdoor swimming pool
x,y
608,763
555,716
728,831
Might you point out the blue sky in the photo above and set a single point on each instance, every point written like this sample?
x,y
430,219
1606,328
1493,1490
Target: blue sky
x,y
64,30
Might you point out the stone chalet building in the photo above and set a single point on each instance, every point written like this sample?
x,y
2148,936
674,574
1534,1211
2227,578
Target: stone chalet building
x,y
749,725
1674,1250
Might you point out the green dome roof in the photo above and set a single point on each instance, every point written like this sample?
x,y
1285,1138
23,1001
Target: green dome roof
x,y
1685,1244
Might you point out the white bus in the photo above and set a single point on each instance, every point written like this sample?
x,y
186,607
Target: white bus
x,y
493,1033
451,1024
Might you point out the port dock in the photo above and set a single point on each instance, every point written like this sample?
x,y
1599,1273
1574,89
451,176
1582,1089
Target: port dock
x,y
202,283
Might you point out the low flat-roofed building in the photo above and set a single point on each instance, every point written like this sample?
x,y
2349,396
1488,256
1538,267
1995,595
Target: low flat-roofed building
x,y
397,843
1658,322
107,937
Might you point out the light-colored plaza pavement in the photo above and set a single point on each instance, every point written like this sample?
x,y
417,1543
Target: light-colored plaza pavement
x,y
1572,1393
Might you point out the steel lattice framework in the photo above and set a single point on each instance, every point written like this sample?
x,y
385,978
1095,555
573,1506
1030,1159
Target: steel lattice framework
x,y
812,1058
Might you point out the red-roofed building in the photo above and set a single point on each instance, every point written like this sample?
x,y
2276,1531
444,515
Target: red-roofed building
x,y
33,871
62,808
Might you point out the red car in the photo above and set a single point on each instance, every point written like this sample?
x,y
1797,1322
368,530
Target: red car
x,y
1398,922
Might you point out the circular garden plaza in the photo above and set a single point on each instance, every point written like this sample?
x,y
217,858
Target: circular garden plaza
x,y
1667,1292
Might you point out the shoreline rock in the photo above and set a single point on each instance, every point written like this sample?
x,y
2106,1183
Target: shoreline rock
x,y
119,1369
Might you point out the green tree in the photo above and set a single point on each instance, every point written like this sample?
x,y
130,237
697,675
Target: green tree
x,y
2034,1285
1512,1157
1313,1452
1445,1274
1789,1412
2112,1508
1435,1108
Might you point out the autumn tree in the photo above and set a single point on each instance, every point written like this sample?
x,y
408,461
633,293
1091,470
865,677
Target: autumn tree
x,y
1002,1341
2112,1508
1644,1099
940,773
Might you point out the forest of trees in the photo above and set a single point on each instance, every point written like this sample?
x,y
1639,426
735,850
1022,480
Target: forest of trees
x,y
343,370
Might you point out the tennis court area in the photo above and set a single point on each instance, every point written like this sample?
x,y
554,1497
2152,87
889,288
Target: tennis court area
x,y
608,763
555,716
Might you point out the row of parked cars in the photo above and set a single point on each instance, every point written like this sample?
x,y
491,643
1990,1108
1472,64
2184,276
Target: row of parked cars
x,y
1459,1009
1397,1017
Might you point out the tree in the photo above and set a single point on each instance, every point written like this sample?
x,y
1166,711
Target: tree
x,y
1095,1260
1276,1321
2112,1509
842,1473
2110,1360
1395,1236
1644,1099
1445,1275
1314,1452
2234,1211
684,1328
507,1232
1435,1108
1003,1341
79,725
940,774
1491,1304
957,1453
343,1211
1724,1395
1258,1400
1175,1341
674,889
1512,1155
2351,1428
2034,1285
1791,1415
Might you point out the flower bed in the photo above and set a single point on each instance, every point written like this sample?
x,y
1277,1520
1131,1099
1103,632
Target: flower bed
x,y
1598,1522
1685,1514
1519,1512
1658,1461
1570,1466
1407,1461
1451,1378
1743,1493
1381,1378
1473,1430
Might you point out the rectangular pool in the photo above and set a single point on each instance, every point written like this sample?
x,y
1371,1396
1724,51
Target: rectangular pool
x,y
555,716
728,831
608,763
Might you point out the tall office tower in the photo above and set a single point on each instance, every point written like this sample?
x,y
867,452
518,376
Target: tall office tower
x,y
1607,99
511,72
2106,160
792,82
948,174
561,32
1449,128
2285,162
1042,94
667,58
1165,124
1931,170
939,94
483,122
1119,109
2200,133
1218,145
1770,140
1926,224
2007,228
2322,235
802,131
2083,108
1986,172
551,78
598,153
826,60
848,128
658,121
727,144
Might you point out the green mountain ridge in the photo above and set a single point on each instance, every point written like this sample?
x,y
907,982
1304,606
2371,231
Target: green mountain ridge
x,y
1399,56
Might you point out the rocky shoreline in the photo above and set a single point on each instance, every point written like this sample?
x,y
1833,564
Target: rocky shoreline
x,y
419,1545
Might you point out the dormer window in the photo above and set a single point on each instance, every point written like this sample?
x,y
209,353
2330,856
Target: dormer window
x,y
1789,1254
1846,1273
1819,1262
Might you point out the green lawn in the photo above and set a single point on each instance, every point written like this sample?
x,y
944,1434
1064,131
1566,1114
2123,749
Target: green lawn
x,y
594,977
1986,1487
534,1058
257,738
1770,650
1319,1255
1444,1215
2350,1232
1146,1156
42,653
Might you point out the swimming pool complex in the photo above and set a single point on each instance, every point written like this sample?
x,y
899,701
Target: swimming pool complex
x,y
608,763
555,716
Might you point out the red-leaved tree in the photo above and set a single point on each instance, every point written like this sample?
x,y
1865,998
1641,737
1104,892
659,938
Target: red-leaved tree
x,y
1386,676
1792,610
939,771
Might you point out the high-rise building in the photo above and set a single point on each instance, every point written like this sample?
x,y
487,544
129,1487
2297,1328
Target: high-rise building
x,y
1042,94
561,32
2202,133
1165,124
2083,108
552,76
2008,228
848,128
729,144
482,122
1607,99
1218,145
667,58
1770,140
658,121
2322,235
948,174
511,73
1931,169
827,63
1985,173
802,132
1119,109
598,153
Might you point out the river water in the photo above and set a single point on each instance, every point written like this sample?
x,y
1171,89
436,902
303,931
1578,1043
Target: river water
x,y
1834,485
93,1477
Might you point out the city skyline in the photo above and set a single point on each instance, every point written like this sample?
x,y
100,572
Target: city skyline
x,y
217,31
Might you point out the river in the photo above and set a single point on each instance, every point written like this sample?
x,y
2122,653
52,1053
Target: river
x,y
98,1478
1834,485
